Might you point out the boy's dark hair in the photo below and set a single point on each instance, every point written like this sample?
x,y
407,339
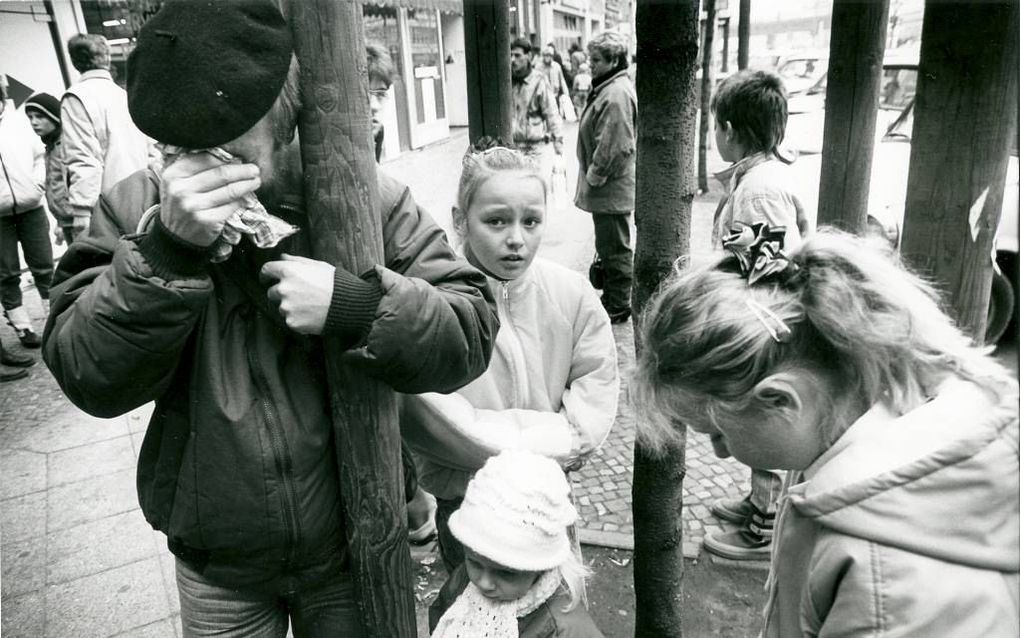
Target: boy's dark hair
x,y
380,64
754,104
521,43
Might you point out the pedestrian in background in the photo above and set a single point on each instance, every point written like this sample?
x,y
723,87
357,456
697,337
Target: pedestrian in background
x,y
900,436
554,74
552,385
606,146
537,118
23,220
581,88
521,578
238,466
750,122
43,111
381,73
101,144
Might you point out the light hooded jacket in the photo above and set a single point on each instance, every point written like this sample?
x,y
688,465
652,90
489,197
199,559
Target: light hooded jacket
x,y
22,163
536,113
551,387
759,189
238,465
907,526
606,147
101,143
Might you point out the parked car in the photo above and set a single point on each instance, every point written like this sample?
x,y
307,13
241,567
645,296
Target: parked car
x,y
886,202
802,70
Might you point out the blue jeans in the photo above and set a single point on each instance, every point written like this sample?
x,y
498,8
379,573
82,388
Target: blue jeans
x,y
328,609
32,230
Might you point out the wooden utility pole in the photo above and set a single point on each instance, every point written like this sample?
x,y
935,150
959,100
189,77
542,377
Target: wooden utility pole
x,y
667,32
706,94
965,119
856,49
487,53
744,35
342,200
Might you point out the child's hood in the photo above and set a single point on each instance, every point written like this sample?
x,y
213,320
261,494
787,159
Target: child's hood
x,y
942,480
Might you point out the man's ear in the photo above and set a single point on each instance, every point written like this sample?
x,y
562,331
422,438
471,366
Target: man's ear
x,y
782,392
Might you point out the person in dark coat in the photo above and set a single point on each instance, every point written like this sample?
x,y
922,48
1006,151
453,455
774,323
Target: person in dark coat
x,y
606,146
238,465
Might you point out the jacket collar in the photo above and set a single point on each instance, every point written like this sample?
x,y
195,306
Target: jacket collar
x,y
100,74
597,88
731,175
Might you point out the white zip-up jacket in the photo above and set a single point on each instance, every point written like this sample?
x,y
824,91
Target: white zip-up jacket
x,y
22,163
552,384
101,144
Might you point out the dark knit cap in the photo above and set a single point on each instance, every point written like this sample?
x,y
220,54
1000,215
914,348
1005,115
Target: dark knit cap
x,y
45,104
205,71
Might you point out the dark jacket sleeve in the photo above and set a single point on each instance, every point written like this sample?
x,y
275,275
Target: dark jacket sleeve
x,y
117,328
436,324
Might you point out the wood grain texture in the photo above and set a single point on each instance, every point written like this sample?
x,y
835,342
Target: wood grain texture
x,y
487,50
667,32
856,50
965,119
342,201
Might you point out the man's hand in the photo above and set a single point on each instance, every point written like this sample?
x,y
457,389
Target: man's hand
x,y
199,193
302,292
558,146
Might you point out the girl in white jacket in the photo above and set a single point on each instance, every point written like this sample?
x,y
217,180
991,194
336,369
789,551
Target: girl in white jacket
x,y
552,383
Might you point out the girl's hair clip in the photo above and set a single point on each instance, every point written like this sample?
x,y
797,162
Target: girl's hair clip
x,y
759,251
776,327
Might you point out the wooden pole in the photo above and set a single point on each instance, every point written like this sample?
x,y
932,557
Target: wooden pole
x,y
487,52
725,62
342,200
964,122
856,49
744,35
667,32
706,94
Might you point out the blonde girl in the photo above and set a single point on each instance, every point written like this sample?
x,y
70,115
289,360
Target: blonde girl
x,y
836,363
552,384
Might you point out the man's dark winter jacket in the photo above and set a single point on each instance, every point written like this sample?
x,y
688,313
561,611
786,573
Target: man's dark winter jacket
x,y
237,466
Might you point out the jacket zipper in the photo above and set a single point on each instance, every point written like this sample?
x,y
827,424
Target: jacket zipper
x,y
520,396
281,452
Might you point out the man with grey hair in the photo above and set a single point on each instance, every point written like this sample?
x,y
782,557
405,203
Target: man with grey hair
x,y
101,144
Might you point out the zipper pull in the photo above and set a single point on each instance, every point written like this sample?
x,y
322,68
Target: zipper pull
x,y
506,290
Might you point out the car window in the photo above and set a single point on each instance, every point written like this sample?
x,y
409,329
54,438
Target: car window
x,y
899,84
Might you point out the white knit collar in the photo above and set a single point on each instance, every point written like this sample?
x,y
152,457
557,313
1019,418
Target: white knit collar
x,y
473,614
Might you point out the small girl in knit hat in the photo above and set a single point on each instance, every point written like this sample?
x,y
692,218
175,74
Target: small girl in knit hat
x,y
520,576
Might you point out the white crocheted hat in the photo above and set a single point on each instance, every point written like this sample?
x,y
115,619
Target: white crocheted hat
x,y
516,511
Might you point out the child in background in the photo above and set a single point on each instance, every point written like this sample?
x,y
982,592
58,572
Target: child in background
x,y
901,516
581,88
750,122
552,384
43,111
521,576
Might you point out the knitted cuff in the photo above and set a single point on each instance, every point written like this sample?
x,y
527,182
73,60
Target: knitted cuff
x,y
352,308
169,256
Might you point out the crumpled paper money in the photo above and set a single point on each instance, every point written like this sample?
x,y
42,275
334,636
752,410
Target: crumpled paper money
x,y
251,220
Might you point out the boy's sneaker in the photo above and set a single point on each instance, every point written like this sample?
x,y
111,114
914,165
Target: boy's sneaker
x,y
12,374
18,319
15,359
28,337
733,510
753,541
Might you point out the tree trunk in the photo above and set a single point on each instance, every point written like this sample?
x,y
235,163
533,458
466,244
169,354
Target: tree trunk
x,y
725,62
964,122
706,94
667,32
345,228
856,50
744,35
487,47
